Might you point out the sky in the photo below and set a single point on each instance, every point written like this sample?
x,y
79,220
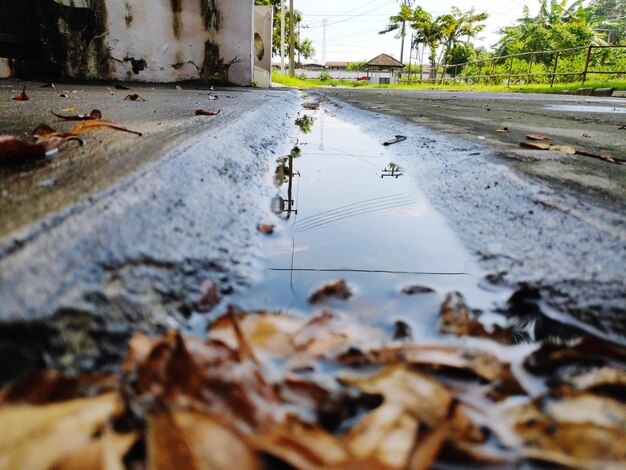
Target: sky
x,y
353,25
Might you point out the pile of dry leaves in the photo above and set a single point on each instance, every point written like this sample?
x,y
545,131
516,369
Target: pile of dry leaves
x,y
269,390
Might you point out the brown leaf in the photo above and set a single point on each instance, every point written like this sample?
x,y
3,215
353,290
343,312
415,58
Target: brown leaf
x,y
94,114
585,431
482,363
535,145
133,97
22,96
266,229
13,149
194,441
337,290
537,137
203,112
418,394
39,388
302,446
106,453
504,130
200,375
98,124
267,332
48,85
40,436
456,318
429,449
387,434
211,296
563,148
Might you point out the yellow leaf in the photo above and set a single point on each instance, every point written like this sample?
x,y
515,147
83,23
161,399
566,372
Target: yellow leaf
x,y
40,436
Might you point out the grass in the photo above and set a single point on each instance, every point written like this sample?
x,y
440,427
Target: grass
x,y
295,82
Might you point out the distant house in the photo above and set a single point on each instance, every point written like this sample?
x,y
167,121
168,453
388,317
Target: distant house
x,y
336,65
383,70
313,67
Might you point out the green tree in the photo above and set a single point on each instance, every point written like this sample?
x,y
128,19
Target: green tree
x,y
398,23
610,16
302,46
556,26
457,25
428,31
356,66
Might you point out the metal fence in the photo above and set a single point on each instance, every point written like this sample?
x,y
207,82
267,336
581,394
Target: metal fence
x,y
562,66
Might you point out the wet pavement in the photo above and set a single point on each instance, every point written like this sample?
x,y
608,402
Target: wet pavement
x,y
548,225
148,233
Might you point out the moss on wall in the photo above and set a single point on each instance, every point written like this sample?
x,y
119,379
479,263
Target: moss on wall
x,y
75,38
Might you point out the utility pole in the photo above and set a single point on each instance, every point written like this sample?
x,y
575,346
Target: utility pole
x,y
292,42
282,36
324,24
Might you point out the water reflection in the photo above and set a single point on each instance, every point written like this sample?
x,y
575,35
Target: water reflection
x,y
350,216
392,170
305,123
284,175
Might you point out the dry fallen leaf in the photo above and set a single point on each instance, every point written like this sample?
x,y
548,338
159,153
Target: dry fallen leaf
x,y
337,290
48,85
193,441
266,229
535,145
203,112
208,376
585,431
504,130
22,96
41,388
94,114
301,445
42,435
456,318
97,124
563,148
105,453
134,97
537,137
15,150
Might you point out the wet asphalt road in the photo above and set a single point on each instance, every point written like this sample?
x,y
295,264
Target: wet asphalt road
x,y
547,223
591,124
132,232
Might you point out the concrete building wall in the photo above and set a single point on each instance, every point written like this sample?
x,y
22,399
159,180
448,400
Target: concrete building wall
x,y
263,35
150,40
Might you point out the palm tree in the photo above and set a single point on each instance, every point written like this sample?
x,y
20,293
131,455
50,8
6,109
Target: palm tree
x,y
428,31
398,23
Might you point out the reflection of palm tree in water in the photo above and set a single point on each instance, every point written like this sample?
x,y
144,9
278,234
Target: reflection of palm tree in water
x,y
285,174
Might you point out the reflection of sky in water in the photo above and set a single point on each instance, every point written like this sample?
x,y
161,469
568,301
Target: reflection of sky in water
x,y
586,109
378,233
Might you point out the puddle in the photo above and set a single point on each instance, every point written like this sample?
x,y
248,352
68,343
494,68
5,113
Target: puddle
x,y
350,212
585,109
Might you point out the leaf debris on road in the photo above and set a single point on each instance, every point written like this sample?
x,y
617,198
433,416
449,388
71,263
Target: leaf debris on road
x,y
134,97
22,96
327,392
204,112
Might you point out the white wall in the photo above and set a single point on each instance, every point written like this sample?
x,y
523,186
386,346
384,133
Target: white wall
x,y
264,30
172,44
